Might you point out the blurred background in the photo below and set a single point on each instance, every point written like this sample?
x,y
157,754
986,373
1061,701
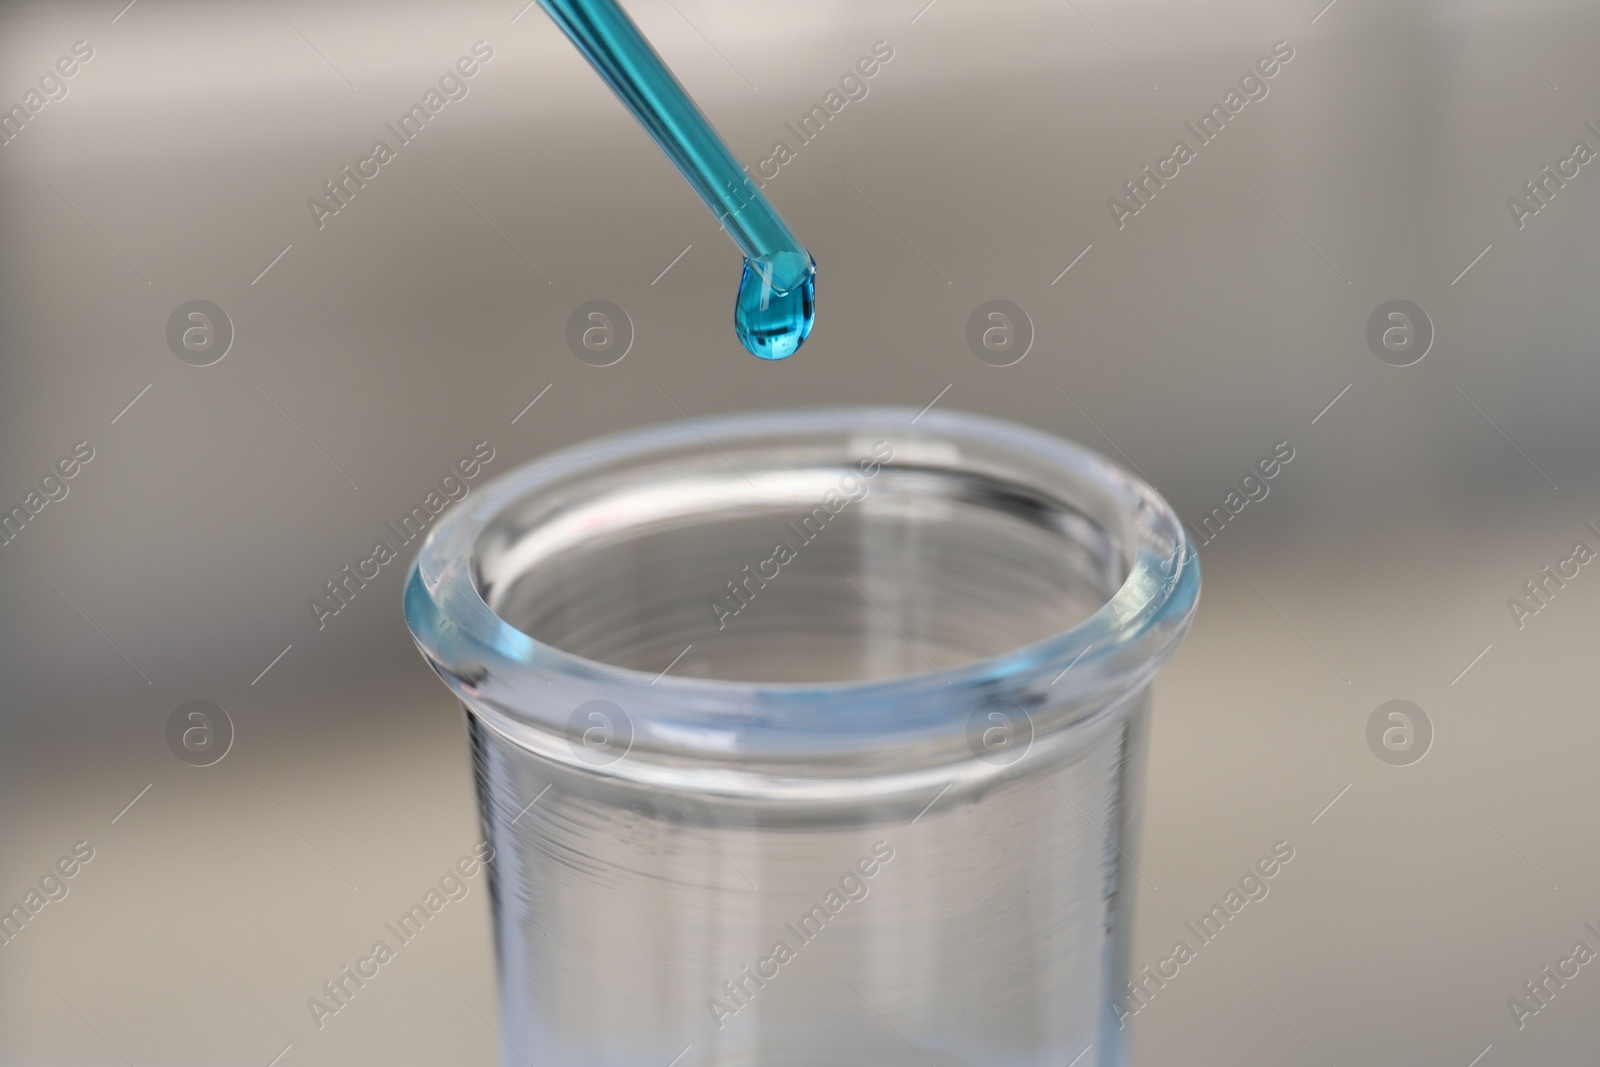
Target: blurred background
x,y
358,356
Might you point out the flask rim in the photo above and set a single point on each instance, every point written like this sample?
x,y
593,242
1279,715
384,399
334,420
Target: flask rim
x,y
526,688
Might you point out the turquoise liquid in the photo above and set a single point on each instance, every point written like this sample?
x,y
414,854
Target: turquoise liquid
x,y
776,305
770,323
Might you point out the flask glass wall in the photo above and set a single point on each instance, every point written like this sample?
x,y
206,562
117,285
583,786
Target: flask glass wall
x,y
809,738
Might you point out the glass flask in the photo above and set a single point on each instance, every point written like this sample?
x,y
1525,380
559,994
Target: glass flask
x,y
809,738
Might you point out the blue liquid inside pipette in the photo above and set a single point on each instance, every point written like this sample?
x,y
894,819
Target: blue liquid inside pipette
x,y
773,324
776,305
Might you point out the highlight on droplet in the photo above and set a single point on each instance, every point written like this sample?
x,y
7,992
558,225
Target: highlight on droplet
x,y
774,312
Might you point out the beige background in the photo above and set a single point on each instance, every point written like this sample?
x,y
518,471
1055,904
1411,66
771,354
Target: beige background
x,y
1221,320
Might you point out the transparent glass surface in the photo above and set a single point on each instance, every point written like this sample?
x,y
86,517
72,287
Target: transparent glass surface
x,y
809,738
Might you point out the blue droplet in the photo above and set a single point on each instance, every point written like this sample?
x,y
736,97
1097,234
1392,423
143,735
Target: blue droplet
x,y
777,304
